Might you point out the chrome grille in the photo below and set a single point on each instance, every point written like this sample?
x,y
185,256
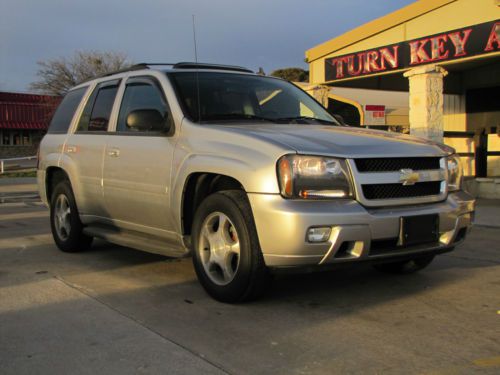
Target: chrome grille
x,y
389,181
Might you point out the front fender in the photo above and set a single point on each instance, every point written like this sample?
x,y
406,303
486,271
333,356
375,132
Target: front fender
x,y
253,178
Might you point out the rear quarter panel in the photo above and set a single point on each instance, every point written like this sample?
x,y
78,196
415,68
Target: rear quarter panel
x,y
51,150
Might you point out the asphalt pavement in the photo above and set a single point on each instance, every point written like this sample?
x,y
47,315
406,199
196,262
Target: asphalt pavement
x,y
115,310
18,189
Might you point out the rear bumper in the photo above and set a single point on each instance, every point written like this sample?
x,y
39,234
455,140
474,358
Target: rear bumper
x,y
358,233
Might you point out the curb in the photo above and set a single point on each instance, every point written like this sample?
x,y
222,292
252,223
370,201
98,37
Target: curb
x,y
23,196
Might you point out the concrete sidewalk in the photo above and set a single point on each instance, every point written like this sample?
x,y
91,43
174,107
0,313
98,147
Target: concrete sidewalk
x,y
51,327
115,310
488,213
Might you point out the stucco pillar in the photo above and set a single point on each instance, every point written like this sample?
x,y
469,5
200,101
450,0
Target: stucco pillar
x,y
320,93
426,101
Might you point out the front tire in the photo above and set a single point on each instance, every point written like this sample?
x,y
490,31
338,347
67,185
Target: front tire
x,y
226,252
65,223
405,267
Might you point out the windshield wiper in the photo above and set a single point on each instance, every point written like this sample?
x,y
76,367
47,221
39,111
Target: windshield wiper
x,y
235,116
279,120
294,118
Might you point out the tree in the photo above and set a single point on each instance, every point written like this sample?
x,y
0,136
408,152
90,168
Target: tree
x,y
292,74
57,76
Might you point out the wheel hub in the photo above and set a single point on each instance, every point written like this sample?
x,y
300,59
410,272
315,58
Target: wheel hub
x,y
219,248
62,217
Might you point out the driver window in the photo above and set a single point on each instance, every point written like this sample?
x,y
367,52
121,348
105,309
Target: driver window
x,y
141,95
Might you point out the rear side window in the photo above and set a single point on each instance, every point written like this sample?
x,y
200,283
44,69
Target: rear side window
x,y
95,116
66,110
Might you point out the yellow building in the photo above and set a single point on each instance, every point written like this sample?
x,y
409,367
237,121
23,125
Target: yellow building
x,y
442,57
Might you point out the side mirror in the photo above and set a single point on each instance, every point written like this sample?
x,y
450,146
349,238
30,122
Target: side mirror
x,y
146,120
339,118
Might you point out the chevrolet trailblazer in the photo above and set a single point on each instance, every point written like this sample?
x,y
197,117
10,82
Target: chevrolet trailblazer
x,y
246,173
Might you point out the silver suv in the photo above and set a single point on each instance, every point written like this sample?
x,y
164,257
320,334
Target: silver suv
x,y
247,174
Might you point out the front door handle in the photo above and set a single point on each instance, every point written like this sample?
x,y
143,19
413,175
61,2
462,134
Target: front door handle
x,y
114,152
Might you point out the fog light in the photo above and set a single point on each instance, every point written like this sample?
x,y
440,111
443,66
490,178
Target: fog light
x,y
318,234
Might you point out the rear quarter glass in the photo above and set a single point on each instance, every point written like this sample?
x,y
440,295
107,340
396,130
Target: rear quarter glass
x,y
66,110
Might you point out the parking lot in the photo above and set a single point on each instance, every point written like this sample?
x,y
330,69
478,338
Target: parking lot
x,y
114,310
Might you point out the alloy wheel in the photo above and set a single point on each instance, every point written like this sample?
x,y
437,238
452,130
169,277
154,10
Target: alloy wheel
x,y
219,248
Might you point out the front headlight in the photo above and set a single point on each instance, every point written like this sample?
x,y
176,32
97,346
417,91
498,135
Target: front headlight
x,y
313,177
455,173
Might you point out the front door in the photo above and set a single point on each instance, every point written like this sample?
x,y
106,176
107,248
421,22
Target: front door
x,y
138,159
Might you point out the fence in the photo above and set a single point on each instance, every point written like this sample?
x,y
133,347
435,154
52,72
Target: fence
x,y
480,153
18,164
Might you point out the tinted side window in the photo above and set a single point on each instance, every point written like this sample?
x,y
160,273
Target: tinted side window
x,y
83,124
95,116
142,96
66,110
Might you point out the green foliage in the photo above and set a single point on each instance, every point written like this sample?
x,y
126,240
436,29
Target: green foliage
x,y
292,74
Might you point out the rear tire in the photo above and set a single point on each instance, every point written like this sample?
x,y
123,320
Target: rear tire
x,y
67,229
405,267
226,252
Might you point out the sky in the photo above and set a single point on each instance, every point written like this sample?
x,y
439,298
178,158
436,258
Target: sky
x,y
270,34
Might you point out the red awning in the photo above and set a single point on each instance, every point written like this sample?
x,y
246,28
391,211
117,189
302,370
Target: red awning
x,y
23,125
26,111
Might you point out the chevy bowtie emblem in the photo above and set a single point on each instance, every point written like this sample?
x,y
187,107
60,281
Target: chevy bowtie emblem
x,y
408,177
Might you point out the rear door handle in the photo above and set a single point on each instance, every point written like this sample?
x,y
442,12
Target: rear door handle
x,y
70,149
114,152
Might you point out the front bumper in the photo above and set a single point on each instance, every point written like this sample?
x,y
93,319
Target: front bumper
x,y
358,233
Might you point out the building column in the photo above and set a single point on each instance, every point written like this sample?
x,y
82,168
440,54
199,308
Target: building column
x,y
426,101
320,93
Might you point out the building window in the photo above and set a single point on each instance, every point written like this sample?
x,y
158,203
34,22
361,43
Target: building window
x,y
26,138
5,138
15,138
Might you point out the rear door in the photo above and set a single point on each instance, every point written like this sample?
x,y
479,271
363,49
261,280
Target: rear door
x,y
86,148
137,162
53,143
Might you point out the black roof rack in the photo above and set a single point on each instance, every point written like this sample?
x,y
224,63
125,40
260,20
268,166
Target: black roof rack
x,y
181,65
131,68
147,65
194,65
124,70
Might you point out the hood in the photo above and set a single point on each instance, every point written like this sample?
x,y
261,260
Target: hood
x,y
348,142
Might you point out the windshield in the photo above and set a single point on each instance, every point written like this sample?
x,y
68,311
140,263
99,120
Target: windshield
x,y
243,97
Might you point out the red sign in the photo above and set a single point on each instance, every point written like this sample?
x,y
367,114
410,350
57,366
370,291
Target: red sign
x,y
470,41
374,114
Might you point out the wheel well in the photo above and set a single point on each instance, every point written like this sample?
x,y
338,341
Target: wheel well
x,y
197,188
54,175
